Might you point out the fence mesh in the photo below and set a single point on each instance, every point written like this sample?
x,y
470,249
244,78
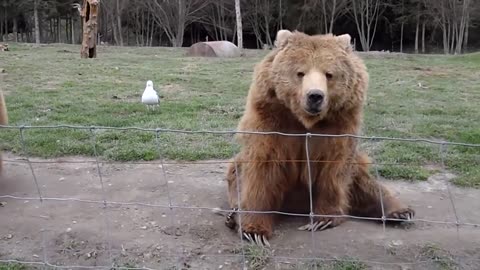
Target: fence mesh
x,y
173,208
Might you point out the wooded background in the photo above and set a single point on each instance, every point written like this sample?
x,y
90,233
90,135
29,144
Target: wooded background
x,y
419,26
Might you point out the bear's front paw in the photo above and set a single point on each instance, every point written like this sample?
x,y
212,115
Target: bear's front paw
x,y
256,235
403,214
331,219
320,224
230,219
256,239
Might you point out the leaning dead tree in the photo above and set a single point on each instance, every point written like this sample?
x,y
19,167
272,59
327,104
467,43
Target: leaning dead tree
x,y
89,13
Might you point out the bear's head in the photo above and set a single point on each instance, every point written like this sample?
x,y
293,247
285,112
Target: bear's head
x,y
317,77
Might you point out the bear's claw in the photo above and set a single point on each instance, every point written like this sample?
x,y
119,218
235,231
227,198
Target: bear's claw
x,y
253,238
256,239
316,226
321,224
230,221
402,215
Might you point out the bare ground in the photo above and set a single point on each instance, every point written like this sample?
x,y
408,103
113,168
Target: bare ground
x,y
142,231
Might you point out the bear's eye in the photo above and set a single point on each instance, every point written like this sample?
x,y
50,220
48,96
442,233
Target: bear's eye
x,y
300,74
329,75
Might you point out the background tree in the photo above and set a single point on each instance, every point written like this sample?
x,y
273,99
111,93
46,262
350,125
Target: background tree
x,y
175,16
238,15
421,26
366,14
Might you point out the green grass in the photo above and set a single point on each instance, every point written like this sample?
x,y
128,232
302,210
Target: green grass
x,y
13,266
51,85
345,265
257,257
442,259
340,264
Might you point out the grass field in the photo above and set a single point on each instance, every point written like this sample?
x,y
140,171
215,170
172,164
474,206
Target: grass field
x,y
434,97
9,266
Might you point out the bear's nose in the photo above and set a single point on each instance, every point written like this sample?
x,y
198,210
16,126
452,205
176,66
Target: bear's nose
x,y
315,96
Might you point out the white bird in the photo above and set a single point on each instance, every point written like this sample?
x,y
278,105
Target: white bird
x,y
150,96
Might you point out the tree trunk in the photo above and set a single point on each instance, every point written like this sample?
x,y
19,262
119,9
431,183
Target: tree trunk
x,y
417,28
179,37
115,30
142,33
401,37
267,30
4,22
423,36
128,30
58,30
362,21
178,42
325,18
445,38
333,15
67,30
152,33
54,33
234,36
465,40
223,34
452,38
461,29
90,30
146,31
15,29
72,24
445,28
280,14
1,28
37,21
119,23
50,30
136,32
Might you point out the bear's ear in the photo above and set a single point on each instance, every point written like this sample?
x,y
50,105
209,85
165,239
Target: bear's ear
x,y
344,41
282,38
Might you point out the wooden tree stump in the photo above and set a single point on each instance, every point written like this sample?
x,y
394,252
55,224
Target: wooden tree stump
x,y
89,14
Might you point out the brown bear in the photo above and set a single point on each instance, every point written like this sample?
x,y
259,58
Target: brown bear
x,y
308,84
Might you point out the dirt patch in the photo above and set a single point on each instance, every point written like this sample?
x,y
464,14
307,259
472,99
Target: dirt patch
x,y
51,86
190,67
65,51
159,220
172,89
434,72
127,98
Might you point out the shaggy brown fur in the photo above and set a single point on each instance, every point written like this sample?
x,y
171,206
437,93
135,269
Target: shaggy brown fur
x,y
279,99
3,119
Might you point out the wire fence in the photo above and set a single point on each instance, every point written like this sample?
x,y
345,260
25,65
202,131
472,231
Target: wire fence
x,y
242,256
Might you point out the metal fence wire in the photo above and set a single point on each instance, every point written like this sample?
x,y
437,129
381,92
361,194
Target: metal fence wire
x,y
242,257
